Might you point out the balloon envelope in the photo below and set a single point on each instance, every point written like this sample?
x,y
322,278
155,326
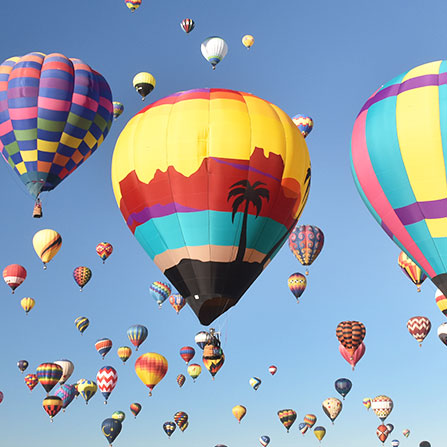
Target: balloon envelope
x,y
111,428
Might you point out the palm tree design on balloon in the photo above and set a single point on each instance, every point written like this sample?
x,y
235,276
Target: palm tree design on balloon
x,y
245,192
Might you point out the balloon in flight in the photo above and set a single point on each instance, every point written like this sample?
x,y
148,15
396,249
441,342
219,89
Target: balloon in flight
x,y
111,428
151,368
306,243
14,275
48,375
82,324
194,371
87,389
27,304
120,415
358,354
343,386
412,270
160,292
133,5
310,420
382,433
103,346
104,250
137,334
304,123
52,405
287,418
31,381
332,408
181,380
248,40
351,335
239,411
177,302
214,49
319,432
264,440
135,408
67,369
169,428
187,353
255,383
118,109
124,352
106,379
144,83
297,284
187,25
22,365
382,406
419,328
46,244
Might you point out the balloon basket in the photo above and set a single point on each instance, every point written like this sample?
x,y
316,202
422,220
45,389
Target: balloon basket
x,y
37,210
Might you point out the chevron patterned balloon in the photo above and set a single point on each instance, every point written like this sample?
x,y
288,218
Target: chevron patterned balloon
x,y
106,380
419,327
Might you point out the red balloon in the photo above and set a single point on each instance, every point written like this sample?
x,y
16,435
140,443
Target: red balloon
x,y
14,275
358,354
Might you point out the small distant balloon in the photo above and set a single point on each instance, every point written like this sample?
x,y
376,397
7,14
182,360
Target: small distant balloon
x,y
82,324
118,109
297,284
103,346
214,49
181,380
144,83
419,328
14,275
264,441
194,371
239,411
52,405
27,304
124,352
187,25
46,244
82,276
135,408
304,123
137,334
248,40
104,250
133,5
119,415
22,365
343,386
187,353
177,302
255,383
160,292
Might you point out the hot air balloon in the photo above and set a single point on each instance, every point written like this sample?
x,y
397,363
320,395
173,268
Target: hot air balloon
x,y
419,327
303,427
406,432
103,346
31,381
46,244
22,365
124,352
106,379
213,358
214,49
187,25
304,123
104,250
181,419
287,418
82,324
87,389
1,397
181,380
358,354
66,393
332,408
310,420
239,411
177,302
411,270
255,209
402,179
48,375
390,428
54,116
351,334
297,284
27,304
169,428
272,370
133,5
441,301
82,276
14,274
151,368
382,406
76,385
343,386
52,405
119,415
424,444
135,408
137,334
255,383
382,433
144,83
306,243
111,428
442,333
202,338
395,443
194,371
160,292
187,353
67,369
118,109
264,441
248,40
367,402
319,432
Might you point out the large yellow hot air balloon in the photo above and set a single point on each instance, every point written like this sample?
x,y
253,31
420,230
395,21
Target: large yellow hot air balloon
x,y
211,183
151,368
46,244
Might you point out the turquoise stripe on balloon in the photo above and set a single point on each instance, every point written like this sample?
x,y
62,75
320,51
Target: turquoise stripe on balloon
x,y
396,80
160,234
386,159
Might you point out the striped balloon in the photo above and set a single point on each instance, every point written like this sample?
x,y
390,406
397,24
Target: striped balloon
x,y
419,327
14,275
55,112
82,276
441,301
133,4
181,380
137,334
304,123
351,334
306,243
124,352
27,304
49,375
287,418
47,243
106,380
382,406
82,324
151,368
411,270
135,408
297,285
310,420
177,302
264,441
187,25
160,292
103,346
255,383
303,427
52,405
187,353
181,419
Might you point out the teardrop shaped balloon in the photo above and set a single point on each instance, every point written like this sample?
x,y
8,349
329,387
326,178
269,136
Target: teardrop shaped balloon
x,y
111,428
406,432
187,353
160,292
382,406
31,381
304,123
358,354
169,428
351,334
202,338
133,5
264,440
239,411
412,270
52,405
213,359
137,334
255,383
382,433
27,304
67,369
124,352
332,408
442,333
82,324
419,328
181,380
103,346
194,371
56,112
144,83
14,275
120,415
297,285
187,25
272,370
400,171
395,443
390,428
287,418
104,250
248,40
303,427
67,393
367,402
343,386
22,365
214,49
177,302
181,419
82,276
151,368
46,244
87,389
135,408
118,109
254,192
319,433
48,375
106,379
310,420
306,243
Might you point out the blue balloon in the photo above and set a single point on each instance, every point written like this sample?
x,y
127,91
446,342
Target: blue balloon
x,y
67,393
343,386
264,440
111,428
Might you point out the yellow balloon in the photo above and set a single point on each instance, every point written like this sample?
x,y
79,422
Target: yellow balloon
x,y
248,40
27,304
87,389
46,244
319,432
239,412
151,368
144,83
194,371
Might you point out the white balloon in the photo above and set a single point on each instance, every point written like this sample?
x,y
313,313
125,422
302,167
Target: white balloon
x,y
214,49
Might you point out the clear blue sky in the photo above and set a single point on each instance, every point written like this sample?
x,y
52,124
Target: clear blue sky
x,y
319,58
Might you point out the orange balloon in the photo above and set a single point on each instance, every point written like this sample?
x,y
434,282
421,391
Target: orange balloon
x,y
151,368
